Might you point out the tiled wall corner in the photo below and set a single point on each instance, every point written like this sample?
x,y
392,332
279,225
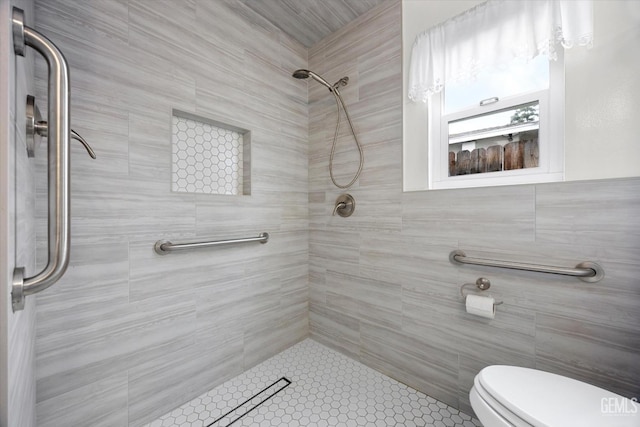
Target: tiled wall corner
x,y
382,288
128,334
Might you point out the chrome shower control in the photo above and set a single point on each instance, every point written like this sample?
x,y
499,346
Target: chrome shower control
x,y
345,205
37,126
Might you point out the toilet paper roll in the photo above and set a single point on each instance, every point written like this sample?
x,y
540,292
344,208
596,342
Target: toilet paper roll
x,y
481,306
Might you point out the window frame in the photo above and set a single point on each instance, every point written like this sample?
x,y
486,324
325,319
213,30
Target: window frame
x,y
550,137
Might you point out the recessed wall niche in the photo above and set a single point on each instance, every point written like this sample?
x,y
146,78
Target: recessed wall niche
x,y
209,157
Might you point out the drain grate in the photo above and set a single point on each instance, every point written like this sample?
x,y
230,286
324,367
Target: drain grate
x,y
250,404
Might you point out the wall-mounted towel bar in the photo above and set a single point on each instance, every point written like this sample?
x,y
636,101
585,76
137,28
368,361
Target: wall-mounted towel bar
x,y
163,247
586,271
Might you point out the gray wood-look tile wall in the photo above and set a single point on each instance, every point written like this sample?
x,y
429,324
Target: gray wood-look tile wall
x,y
17,330
127,335
381,286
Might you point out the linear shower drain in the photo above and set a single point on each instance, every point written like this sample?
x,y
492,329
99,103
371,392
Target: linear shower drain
x,y
250,404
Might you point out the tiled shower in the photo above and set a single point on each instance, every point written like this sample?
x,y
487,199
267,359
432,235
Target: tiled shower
x,y
128,335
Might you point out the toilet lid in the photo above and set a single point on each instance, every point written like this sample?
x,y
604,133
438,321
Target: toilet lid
x,y
544,399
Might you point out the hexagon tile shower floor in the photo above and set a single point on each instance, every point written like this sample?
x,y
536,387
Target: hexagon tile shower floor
x,y
312,385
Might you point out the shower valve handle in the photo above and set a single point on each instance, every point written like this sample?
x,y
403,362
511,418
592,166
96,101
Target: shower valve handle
x,y
345,205
339,206
75,135
41,129
36,126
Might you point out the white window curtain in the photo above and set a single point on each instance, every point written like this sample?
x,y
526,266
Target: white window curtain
x,y
493,34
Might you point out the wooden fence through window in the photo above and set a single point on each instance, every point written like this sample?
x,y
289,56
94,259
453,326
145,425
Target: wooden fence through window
x,y
514,155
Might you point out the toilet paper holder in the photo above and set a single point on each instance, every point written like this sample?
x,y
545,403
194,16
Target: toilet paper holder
x,y
482,283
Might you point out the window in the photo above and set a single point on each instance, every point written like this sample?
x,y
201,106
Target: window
x,y
493,79
504,128
495,141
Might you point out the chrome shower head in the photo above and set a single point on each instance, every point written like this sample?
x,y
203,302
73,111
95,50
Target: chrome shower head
x,y
305,74
301,74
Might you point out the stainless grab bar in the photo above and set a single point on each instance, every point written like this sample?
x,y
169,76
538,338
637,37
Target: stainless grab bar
x,y
163,247
58,159
586,271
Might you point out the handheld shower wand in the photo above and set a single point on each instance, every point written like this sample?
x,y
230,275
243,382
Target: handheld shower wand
x,y
305,74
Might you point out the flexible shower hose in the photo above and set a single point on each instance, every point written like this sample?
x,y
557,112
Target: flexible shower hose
x,y
338,97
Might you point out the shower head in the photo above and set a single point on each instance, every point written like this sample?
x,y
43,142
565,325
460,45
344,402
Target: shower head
x,y
301,74
305,74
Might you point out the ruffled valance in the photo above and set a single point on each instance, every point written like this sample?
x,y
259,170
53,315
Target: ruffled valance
x,y
494,34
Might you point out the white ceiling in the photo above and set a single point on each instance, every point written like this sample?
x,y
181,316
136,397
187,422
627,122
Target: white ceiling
x,y
309,21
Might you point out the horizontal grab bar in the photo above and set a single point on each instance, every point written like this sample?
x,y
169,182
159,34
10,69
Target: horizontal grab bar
x,y
163,247
586,271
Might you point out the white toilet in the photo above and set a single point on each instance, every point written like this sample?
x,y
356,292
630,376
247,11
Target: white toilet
x,y
510,396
